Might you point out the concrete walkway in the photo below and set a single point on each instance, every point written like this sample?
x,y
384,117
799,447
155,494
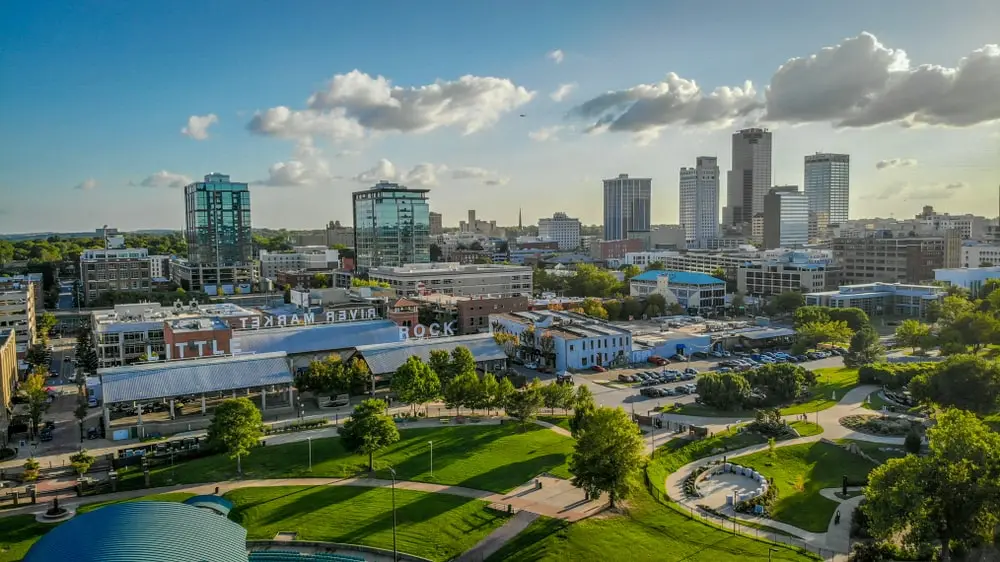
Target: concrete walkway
x,y
495,541
838,535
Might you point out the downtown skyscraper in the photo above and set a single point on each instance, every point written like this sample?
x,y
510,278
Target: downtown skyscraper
x,y
626,206
699,201
828,186
391,226
749,180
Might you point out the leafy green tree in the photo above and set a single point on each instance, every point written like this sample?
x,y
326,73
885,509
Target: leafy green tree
x,y
81,461
962,381
462,362
557,396
725,391
592,281
608,455
782,382
369,430
236,428
739,302
631,308
912,442
950,497
809,314
656,266
46,322
38,355
583,407
490,391
524,404
788,301
505,389
912,333
594,308
332,376
656,305
358,282
613,308
461,391
6,252
952,307
415,383
815,333
87,361
630,271
440,363
977,329
32,470
34,390
855,318
865,349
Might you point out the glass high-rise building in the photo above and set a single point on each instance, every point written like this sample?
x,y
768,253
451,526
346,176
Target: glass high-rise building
x,y
217,215
786,218
391,226
750,177
828,186
699,201
626,206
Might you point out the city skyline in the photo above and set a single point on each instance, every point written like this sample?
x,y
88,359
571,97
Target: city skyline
x,y
108,118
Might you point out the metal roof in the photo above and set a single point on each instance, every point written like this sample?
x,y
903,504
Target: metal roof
x,y
143,530
317,337
194,376
766,333
386,358
215,503
679,277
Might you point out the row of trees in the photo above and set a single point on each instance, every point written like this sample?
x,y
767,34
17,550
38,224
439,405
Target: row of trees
x,y
820,325
768,385
961,324
59,249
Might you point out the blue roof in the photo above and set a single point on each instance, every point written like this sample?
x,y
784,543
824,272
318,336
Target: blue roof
x,y
193,376
217,504
148,530
679,277
317,338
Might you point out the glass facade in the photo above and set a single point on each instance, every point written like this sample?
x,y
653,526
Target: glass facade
x,y
828,185
218,222
391,226
626,206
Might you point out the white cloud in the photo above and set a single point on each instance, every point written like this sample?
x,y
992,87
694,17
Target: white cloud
x,y
354,103
470,172
426,175
562,92
197,126
306,167
556,56
545,134
859,83
907,191
86,185
497,181
164,178
895,163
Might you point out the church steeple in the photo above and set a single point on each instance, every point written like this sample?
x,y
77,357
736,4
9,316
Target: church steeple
x,y
520,225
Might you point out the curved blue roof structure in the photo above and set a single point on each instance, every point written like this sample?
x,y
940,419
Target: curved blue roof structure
x,y
217,504
148,531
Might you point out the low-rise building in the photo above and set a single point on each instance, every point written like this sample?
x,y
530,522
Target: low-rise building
x,y
384,359
880,299
456,279
610,249
307,258
971,279
693,291
565,231
214,280
471,314
121,270
980,255
9,367
17,310
565,340
887,258
159,267
774,277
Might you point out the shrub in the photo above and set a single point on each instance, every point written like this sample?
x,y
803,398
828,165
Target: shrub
x,y
893,375
912,442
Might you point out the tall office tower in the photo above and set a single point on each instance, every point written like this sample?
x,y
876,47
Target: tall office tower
x,y
562,229
436,226
750,178
786,218
391,226
219,238
626,206
699,201
828,186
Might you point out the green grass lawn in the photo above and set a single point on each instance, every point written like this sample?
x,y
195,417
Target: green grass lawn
x,y
875,402
19,532
805,428
831,381
487,457
561,421
648,532
800,472
434,526
874,451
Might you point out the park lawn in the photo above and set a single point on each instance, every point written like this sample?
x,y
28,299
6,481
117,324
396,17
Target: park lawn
x,y
560,421
678,452
874,451
434,526
806,428
497,458
19,532
831,381
800,472
648,532
875,401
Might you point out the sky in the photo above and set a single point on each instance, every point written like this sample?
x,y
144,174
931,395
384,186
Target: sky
x,y
109,107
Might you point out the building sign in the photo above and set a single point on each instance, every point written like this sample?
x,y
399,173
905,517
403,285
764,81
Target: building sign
x,y
193,350
307,318
433,331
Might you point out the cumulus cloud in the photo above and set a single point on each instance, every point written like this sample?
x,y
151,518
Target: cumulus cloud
x,y
895,163
545,134
470,172
858,83
355,103
556,56
562,92
164,178
426,175
903,190
86,185
197,126
497,181
306,167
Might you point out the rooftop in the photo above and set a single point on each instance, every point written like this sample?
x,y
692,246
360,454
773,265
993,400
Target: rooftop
x,y
417,269
165,379
679,277
317,338
386,358
125,317
196,325
569,325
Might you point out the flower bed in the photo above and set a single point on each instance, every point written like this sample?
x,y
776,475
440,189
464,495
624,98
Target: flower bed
x,y
878,425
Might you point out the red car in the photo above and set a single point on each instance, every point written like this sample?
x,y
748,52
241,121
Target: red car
x,y
598,369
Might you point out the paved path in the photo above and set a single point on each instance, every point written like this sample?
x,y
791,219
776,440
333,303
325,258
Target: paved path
x,y
838,535
555,428
495,541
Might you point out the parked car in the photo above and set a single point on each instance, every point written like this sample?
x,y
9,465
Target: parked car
x,y
678,357
624,378
690,371
564,378
598,369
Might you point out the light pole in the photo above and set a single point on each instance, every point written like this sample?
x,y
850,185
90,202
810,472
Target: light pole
x,y
431,443
769,551
309,440
394,552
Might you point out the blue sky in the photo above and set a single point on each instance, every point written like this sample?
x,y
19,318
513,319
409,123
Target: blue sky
x,y
94,95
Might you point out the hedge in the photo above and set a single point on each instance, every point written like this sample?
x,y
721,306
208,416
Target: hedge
x,y
893,375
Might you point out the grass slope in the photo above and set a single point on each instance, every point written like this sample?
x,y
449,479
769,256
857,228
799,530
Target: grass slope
x,y
487,457
19,532
800,472
434,526
874,450
648,532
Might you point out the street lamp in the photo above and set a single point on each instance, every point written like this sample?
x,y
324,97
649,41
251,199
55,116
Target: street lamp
x,y
309,440
395,557
431,443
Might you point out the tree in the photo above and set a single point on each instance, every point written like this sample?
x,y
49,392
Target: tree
x,y
46,322
319,281
505,389
369,430
977,329
32,469
739,302
630,271
962,381
81,461
584,406
865,348
912,442
815,333
591,281
440,363
38,397
557,396
358,282
490,391
656,305
462,362
808,314
435,252
524,404
415,383
6,253
912,333
461,391
38,357
952,307
613,309
788,301
236,428
506,340
656,266
594,308
951,496
782,382
725,391
608,455
87,361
